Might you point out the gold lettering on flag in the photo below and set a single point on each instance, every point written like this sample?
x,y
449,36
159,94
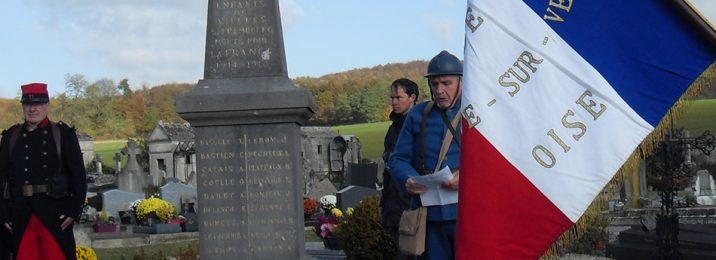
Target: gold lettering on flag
x,y
470,18
526,59
559,4
469,114
539,151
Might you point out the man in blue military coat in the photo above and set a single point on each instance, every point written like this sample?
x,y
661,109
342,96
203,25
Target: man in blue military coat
x,y
42,165
418,147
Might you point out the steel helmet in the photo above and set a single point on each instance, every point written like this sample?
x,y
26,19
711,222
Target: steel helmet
x,y
444,64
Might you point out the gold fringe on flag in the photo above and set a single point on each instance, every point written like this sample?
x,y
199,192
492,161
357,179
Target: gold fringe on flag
x,y
706,80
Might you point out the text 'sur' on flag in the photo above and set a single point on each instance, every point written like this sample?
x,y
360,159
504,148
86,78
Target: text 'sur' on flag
x,y
557,96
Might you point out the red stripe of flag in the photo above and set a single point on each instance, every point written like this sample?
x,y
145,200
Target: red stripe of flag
x,y
501,214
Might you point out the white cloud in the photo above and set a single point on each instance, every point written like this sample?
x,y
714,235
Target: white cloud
x,y
440,28
291,12
147,41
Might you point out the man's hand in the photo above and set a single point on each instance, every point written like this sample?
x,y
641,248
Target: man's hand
x,y
415,188
453,183
8,227
68,221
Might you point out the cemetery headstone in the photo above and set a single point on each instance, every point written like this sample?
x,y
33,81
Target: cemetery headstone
x,y
174,192
117,162
350,196
98,163
132,178
705,189
115,201
246,114
324,187
362,174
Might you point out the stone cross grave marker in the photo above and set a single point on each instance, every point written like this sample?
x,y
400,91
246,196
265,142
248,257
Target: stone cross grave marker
x,y
132,178
98,163
117,162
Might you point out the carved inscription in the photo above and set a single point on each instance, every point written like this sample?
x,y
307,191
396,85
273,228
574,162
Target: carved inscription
x,y
242,40
246,186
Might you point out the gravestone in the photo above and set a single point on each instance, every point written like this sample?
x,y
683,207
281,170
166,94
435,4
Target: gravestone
x,y
246,115
362,174
350,196
132,178
98,163
116,200
117,162
322,188
704,189
175,192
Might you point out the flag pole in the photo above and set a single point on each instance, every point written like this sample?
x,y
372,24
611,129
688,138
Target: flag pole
x,y
708,29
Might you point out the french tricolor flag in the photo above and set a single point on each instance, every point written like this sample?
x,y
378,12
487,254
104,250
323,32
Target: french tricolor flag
x,y
557,95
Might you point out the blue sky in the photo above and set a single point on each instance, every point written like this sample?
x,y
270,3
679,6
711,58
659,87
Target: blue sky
x,y
162,41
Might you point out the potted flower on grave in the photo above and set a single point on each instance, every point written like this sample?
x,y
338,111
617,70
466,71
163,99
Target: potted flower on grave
x,y
104,224
310,208
327,224
85,253
328,202
156,213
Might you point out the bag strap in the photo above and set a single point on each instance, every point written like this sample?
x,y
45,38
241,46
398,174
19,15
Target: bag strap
x,y
58,144
446,142
450,127
58,141
423,121
13,139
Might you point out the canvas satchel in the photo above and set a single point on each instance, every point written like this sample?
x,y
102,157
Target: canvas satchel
x,y
411,232
411,238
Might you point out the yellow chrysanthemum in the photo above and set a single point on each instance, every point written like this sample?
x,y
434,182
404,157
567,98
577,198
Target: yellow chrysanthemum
x,y
349,212
336,213
85,253
162,208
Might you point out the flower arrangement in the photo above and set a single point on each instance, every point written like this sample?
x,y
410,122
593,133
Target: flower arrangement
x,y
327,223
310,206
85,253
161,208
328,202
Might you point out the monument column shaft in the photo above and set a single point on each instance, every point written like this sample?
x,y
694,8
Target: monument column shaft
x,y
249,189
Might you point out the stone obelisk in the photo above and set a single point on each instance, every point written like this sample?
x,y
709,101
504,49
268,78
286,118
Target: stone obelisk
x,y
246,114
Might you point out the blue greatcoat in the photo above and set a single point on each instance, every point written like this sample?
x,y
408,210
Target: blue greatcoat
x,y
407,153
406,156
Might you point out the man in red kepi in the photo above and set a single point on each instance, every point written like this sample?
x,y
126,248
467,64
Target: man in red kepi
x,y
41,166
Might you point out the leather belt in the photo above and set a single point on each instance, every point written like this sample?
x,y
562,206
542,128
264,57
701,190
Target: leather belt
x,y
29,190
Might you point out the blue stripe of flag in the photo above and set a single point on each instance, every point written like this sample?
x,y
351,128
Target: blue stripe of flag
x,y
647,50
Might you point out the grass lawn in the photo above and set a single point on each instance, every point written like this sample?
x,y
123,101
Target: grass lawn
x,y
371,137
107,149
699,116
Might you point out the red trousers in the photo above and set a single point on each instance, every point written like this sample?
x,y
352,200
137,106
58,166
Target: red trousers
x,y
38,243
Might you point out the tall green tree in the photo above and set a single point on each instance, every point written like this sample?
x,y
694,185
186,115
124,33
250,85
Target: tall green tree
x,y
124,88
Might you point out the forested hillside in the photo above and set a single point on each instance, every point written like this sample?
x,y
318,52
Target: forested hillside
x,y
107,110
360,95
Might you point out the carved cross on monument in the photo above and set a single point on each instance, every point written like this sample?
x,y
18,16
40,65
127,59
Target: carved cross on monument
x,y
131,150
117,162
132,178
98,162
